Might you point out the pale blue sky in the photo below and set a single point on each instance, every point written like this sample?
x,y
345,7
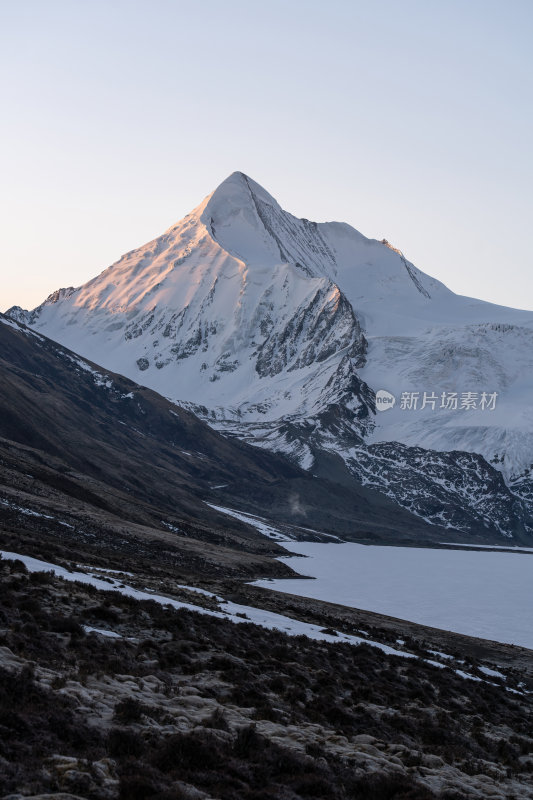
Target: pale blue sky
x,y
410,120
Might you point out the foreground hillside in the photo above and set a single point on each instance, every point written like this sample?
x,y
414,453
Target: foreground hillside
x,y
110,698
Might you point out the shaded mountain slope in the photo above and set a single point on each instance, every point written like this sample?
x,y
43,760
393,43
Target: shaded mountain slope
x,y
129,451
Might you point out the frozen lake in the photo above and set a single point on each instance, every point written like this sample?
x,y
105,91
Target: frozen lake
x,y
486,594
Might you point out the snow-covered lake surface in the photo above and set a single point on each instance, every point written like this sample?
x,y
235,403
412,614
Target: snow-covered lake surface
x,y
484,594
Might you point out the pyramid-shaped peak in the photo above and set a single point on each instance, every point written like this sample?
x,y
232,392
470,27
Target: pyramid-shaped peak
x,y
238,190
244,219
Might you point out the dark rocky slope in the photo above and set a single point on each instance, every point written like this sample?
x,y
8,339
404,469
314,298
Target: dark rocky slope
x,y
101,439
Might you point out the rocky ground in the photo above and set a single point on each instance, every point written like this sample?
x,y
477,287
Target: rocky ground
x,y
104,697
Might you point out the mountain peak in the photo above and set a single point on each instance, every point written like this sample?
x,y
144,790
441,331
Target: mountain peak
x,y
237,192
237,216
236,178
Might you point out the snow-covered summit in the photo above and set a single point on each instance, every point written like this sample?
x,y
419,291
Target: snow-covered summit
x,y
279,330
249,223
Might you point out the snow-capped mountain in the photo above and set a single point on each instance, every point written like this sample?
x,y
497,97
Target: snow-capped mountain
x,y
280,331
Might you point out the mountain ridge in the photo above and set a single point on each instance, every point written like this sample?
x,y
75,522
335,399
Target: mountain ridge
x,y
128,451
279,331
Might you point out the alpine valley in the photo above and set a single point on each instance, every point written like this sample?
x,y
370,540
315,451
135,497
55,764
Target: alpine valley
x,y
175,435
279,331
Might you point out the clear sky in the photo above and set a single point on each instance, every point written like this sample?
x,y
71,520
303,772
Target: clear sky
x,y
411,120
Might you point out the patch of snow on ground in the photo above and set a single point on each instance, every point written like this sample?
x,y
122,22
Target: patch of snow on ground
x,y
170,527
27,511
257,522
441,655
492,672
508,547
102,632
466,675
